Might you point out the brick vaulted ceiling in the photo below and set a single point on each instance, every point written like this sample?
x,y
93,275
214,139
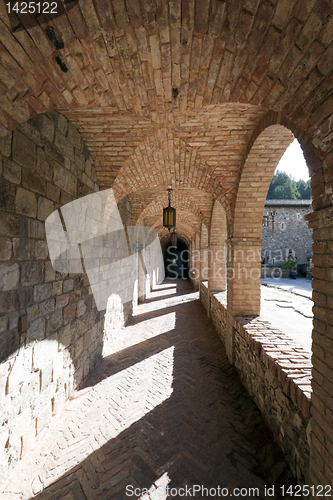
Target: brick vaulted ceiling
x,y
171,91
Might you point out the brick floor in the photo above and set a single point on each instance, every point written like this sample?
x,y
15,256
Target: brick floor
x,y
166,409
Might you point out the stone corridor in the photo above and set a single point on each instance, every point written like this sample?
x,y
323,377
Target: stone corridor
x,y
166,409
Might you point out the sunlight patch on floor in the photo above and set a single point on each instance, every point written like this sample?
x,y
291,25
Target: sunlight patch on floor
x,y
152,328
158,490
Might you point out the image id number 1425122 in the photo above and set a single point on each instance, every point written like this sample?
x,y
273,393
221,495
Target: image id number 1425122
x,y
306,490
32,7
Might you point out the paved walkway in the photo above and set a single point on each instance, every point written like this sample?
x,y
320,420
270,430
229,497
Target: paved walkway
x,y
166,410
299,286
287,305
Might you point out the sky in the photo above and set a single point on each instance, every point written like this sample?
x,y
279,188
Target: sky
x,y
293,162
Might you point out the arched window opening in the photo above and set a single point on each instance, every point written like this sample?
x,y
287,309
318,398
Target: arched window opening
x,y
286,252
176,260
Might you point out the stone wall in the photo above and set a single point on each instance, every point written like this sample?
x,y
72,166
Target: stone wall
x,y
290,231
218,315
212,302
118,311
204,296
276,373
51,332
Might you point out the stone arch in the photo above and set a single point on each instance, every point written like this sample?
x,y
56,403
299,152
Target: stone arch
x,y
185,236
256,176
180,200
184,231
217,249
147,169
244,255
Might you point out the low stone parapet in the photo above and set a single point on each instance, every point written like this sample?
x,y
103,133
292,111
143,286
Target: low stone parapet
x,y
277,374
274,272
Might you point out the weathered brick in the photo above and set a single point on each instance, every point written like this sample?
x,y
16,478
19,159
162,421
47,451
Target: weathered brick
x,y
33,182
25,203
45,208
45,126
54,321
10,275
12,171
6,145
74,136
31,273
24,150
53,152
64,145
42,292
41,249
5,248
43,166
53,192
65,180
7,196
36,330
29,131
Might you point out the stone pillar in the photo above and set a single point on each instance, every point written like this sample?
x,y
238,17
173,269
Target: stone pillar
x,y
243,290
141,278
321,449
217,249
217,268
195,263
204,252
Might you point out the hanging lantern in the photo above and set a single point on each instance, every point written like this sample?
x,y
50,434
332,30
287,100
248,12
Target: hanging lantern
x,y
169,214
173,239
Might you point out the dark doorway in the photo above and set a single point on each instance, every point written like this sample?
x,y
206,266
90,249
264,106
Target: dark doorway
x,y
176,260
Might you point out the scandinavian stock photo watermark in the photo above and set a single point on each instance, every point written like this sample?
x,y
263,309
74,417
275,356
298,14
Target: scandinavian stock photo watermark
x,y
161,492
220,264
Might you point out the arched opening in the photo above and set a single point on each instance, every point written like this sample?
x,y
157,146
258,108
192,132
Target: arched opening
x,y
284,229
244,258
176,260
286,251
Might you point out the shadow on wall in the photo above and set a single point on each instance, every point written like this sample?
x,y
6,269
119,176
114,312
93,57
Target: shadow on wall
x,y
101,245
46,316
51,324
113,255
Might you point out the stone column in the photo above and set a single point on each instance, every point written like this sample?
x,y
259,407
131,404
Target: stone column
x,y
217,268
195,264
141,278
243,290
204,260
321,448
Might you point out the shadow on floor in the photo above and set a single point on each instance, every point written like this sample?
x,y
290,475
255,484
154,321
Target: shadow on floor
x,y
185,421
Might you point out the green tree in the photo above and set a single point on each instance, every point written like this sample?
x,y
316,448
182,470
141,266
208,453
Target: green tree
x,y
284,187
304,189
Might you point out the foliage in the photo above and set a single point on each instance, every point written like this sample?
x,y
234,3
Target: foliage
x,y
284,187
289,263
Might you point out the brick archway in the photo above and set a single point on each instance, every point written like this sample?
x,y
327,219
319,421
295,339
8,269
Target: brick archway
x,y
245,242
198,209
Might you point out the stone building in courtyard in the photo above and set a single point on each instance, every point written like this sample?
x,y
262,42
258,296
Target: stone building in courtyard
x,y
285,232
